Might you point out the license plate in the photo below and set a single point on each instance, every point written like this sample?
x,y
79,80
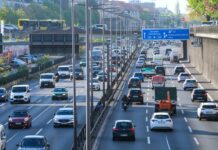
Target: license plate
x,y
18,123
200,98
124,135
135,96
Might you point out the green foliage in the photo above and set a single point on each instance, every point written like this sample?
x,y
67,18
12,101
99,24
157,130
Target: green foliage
x,y
43,60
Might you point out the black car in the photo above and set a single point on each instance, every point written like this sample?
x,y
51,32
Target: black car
x,y
135,95
96,70
160,70
134,82
123,129
79,74
199,94
3,95
178,70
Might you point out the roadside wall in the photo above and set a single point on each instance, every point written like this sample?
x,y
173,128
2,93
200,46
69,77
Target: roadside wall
x,y
205,56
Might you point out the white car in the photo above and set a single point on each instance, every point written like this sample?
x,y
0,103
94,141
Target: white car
x,y
183,76
65,71
20,93
2,138
139,64
207,111
64,117
47,80
96,84
161,120
190,84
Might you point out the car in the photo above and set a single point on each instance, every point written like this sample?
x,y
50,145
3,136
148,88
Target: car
x,y
141,59
3,140
135,95
82,63
190,84
59,94
207,110
123,129
96,84
33,142
63,117
134,82
139,75
102,76
161,120
3,95
20,93
142,56
96,70
160,70
199,94
158,81
20,119
64,71
79,74
183,76
139,64
47,80
178,70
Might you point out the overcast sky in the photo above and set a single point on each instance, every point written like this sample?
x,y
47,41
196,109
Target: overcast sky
x,y
171,4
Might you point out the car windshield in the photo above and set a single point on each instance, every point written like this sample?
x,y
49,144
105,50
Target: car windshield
x,y
46,77
185,75
134,80
19,114
59,90
78,70
180,68
63,69
209,106
200,92
138,74
19,89
65,112
33,143
124,125
135,92
2,91
161,116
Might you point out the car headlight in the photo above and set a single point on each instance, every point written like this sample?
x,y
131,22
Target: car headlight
x,y
64,94
55,119
26,119
80,74
53,94
10,119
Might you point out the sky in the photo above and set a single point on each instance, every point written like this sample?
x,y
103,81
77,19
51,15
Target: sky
x,y
171,4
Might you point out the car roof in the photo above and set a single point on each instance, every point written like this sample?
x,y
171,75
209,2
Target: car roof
x,y
190,80
21,85
65,66
3,88
65,108
23,110
160,113
47,74
34,136
208,103
130,121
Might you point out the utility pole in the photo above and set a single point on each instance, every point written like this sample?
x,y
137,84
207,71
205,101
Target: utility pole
x,y
103,61
88,138
74,80
61,9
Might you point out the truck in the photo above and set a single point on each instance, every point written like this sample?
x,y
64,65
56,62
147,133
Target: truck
x,y
148,70
165,99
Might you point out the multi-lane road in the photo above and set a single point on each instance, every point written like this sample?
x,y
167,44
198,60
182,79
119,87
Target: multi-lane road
x,y
189,133
42,109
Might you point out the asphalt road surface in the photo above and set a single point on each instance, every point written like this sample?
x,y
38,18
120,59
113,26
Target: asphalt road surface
x,y
189,133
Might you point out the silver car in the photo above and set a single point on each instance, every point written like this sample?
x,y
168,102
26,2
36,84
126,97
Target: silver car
x,y
190,84
64,117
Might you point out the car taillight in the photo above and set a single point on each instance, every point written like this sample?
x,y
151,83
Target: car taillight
x,y
115,129
132,130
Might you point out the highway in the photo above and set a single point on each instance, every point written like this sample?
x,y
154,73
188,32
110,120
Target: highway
x,y
189,133
42,109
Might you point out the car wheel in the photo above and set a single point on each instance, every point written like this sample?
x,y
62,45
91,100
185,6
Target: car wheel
x,y
99,89
184,89
55,126
114,139
12,102
142,102
133,138
199,118
30,125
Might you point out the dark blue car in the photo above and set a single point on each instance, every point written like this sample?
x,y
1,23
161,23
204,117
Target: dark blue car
x,y
139,75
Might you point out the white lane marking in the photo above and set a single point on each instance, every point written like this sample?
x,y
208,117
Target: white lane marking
x,y
148,140
209,96
146,119
182,111
196,140
6,123
180,104
168,145
178,99
146,111
190,129
2,104
40,130
40,114
11,138
36,86
147,128
29,107
49,121
185,119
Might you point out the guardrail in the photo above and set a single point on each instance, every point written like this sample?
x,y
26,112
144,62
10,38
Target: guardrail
x,y
98,115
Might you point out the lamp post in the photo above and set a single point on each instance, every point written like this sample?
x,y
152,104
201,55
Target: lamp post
x,y
74,80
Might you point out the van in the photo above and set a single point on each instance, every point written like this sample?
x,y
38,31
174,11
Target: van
x,y
20,93
65,71
47,80
2,138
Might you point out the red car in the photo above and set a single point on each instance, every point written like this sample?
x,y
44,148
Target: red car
x,y
20,118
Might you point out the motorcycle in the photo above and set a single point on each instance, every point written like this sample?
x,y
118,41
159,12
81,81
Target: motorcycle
x,y
125,106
